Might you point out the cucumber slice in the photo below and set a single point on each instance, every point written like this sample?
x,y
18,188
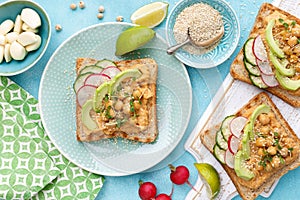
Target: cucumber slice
x,y
79,82
248,51
219,154
92,69
220,141
105,63
225,127
86,117
257,81
252,69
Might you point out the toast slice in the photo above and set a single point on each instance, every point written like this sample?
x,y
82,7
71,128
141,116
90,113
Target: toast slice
x,y
271,132
143,126
284,21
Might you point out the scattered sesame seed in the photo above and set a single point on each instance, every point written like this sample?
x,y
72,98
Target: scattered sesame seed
x,y
101,9
100,15
73,6
58,27
120,19
81,4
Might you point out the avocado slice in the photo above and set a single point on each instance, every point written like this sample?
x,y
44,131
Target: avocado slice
x,y
245,141
99,95
129,73
281,65
286,82
86,117
239,167
270,40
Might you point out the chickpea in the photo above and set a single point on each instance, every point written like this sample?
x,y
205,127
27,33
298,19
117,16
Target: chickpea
x,y
272,150
269,167
119,19
101,9
73,6
261,152
100,15
292,41
260,142
284,152
259,167
81,4
118,105
136,94
264,119
275,162
58,27
265,130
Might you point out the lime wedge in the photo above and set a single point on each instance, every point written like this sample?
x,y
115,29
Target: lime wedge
x,y
150,15
132,39
211,178
132,73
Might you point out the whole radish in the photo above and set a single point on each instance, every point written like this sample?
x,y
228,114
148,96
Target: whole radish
x,y
163,197
180,175
147,190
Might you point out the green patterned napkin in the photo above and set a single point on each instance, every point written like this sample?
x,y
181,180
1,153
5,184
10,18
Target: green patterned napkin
x,y
72,182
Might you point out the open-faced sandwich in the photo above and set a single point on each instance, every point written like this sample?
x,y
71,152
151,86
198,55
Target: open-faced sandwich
x,y
255,146
116,99
270,58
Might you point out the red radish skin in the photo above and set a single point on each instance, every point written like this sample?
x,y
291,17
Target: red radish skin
x,y
264,67
147,190
237,124
84,93
111,71
233,144
258,49
269,80
163,197
229,159
96,79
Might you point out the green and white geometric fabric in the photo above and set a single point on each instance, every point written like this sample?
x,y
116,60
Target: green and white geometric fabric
x,y
72,182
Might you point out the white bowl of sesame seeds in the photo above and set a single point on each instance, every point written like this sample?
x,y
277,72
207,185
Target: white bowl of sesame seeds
x,y
184,14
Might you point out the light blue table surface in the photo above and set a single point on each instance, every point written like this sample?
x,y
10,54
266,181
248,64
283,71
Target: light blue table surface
x,y
205,83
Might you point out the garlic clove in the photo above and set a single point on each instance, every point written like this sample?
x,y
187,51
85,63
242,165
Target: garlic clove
x,y
35,45
26,28
17,51
1,53
7,55
27,38
6,26
11,37
2,40
18,24
31,17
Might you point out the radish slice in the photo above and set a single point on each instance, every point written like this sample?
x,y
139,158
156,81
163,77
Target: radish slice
x,y
269,80
233,144
259,50
111,71
96,79
229,159
264,67
237,125
84,93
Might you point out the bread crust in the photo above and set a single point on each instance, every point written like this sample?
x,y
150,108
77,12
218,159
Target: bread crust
x,y
251,189
146,136
238,70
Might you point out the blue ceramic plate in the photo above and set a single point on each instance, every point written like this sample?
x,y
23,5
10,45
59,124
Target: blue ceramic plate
x,y
10,10
227,44
112,156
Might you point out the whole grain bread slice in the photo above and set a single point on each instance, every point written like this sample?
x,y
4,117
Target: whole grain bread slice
x,y
251,189
146,136
238,70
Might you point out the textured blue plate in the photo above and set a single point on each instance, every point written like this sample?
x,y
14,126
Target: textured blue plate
x,y
113,157
10,10
227,44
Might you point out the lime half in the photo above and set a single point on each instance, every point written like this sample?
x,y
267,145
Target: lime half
x,y
151,14
211,178
132,39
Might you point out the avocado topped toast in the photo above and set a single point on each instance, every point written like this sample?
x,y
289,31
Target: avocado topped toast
x,y
118,99
255,146
270,57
